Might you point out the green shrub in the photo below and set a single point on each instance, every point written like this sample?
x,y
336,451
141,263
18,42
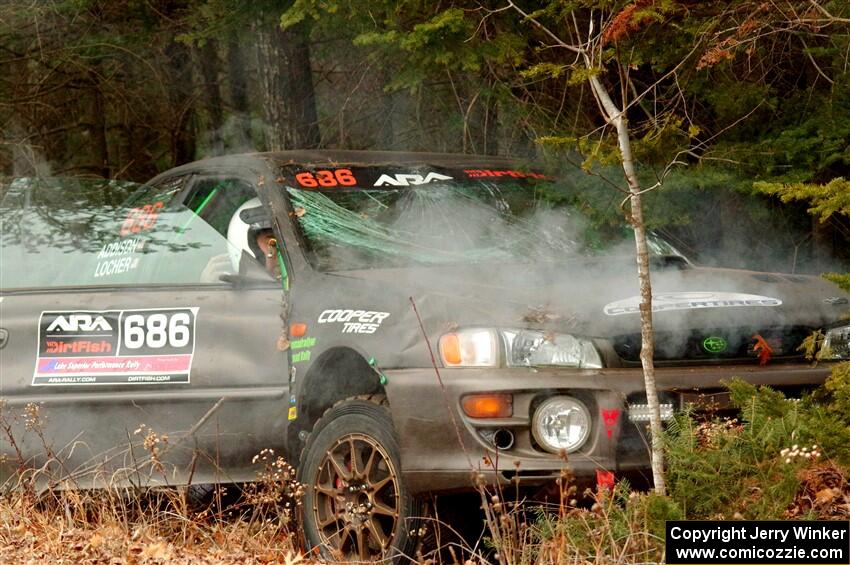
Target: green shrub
x,y
726,468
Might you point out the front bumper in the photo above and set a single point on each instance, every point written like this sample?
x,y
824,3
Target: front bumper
x,y
441,447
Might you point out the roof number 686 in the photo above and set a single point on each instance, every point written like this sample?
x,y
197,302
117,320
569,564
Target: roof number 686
x,y
327,179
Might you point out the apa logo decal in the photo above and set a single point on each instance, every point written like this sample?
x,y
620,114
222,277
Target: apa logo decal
x,y
79,323
141,219
690,301
411,179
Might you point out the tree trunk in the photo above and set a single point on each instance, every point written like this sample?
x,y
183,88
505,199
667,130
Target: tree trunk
x,y
24,159
210,66
490,126
387,132
298,89
615,117
271,59
289,100
97,130
180,84
238,94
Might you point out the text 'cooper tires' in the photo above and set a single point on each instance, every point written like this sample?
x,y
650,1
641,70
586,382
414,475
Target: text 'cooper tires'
x,y
356,507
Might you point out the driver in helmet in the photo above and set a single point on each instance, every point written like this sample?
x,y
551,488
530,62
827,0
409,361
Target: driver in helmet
x,y
250,231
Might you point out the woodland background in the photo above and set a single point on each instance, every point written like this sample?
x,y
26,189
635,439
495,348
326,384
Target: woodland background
x,y
743,95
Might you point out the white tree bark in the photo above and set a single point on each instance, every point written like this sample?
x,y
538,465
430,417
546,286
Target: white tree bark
x,y
589,52
615,117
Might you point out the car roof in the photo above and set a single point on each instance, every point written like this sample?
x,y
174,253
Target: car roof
x,y
326,157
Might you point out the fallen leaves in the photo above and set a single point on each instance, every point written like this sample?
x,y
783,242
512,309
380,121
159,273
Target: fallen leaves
x,y
116,542
824,492
825,496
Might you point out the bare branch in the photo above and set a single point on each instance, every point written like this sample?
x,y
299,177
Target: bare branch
x,y
545,30
814,63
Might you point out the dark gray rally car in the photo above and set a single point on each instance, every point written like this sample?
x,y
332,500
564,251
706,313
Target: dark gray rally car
x,y
267,301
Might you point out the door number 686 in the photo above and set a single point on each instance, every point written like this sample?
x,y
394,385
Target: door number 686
x,y
157,330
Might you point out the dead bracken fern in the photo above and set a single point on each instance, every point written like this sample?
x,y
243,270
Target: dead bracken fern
x,y
45,518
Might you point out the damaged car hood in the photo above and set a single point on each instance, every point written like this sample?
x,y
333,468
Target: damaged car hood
x,y
600,297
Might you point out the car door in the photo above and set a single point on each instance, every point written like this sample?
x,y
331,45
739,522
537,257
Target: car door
x,y
140,349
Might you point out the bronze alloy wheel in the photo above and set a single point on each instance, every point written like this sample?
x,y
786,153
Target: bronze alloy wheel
x,y
356,505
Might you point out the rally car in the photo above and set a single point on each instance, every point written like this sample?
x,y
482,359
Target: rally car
x,y
390,321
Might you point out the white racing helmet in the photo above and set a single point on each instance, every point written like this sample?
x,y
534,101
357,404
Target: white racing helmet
x,y
250,218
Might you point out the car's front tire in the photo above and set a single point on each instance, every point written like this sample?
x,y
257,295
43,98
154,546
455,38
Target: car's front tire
x,y
356,506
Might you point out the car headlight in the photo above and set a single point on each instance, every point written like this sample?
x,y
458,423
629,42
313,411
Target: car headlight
x,y
531,348
470,348
561,423
522,348
837,343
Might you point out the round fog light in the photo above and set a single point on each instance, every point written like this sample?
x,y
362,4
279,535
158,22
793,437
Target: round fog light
x,y
561,423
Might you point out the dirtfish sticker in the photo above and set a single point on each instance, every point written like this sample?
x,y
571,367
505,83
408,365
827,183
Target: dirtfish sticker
x,y
111,347
354,321
690,301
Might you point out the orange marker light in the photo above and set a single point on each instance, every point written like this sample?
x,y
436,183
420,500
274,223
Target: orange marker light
x,y
488,405
297,330
450,348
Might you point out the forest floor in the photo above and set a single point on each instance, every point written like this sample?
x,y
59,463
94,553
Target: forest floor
x,y
38,537
59,532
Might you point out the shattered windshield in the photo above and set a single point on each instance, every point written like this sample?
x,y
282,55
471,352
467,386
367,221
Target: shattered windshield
x,y
360,218
428,217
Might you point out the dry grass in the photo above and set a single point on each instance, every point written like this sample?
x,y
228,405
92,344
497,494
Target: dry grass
x,y
151,526
259,525
160,525
38,537
619,527
255,523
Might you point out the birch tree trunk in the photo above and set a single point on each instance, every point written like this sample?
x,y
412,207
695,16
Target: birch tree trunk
x,y
615,117
590,52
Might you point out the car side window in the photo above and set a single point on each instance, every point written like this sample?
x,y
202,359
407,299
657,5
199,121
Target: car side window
x,y
172,233
215,200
